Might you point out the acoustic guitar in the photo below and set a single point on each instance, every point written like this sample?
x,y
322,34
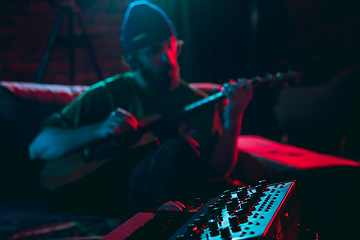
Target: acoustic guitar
x,y
62,171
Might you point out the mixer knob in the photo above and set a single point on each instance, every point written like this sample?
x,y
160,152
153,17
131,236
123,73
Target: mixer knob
x,y
259,188
259,192
241,214
234,222
192,228
222,200
251,201
203,219
243,189
217,211
241,194
225,233
236,202
211,210
231,206
264,185
213,225
227,194
220,203
198,223
246,206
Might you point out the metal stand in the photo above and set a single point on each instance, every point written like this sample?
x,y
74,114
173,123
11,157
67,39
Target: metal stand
x,y
70,42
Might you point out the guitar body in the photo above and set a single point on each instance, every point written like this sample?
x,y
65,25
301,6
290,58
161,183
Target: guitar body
x,y
62,171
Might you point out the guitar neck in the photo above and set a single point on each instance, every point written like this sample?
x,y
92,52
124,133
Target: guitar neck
x,y
204,103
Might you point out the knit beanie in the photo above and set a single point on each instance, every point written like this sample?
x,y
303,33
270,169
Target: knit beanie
x,y
144,24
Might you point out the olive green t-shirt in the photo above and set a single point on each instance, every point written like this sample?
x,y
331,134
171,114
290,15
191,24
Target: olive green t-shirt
x,y
121,90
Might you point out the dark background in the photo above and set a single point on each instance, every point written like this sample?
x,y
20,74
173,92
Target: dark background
x,y
223,40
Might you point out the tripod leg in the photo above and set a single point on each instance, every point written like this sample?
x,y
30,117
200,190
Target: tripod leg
x,y
71,45
50,46
87,43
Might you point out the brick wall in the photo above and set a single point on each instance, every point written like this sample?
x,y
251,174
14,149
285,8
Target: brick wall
x,y
25,26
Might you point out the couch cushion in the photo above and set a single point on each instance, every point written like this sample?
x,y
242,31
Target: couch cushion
x,y
45,93
289,155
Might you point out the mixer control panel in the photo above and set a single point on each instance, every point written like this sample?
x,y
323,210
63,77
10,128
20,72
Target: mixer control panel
x,y
265,211
262,212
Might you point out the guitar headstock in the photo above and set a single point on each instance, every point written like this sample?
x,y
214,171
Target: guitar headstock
x,y
279,77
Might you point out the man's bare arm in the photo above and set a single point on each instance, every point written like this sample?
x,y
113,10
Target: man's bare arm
x,y
55,142
225,155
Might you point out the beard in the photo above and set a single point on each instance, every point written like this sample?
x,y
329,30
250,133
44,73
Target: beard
x,y
160,80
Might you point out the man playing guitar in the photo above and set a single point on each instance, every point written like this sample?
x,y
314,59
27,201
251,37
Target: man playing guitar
x,y
203,148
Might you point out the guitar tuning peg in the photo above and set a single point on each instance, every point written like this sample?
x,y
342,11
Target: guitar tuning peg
x,y
291,73
280,75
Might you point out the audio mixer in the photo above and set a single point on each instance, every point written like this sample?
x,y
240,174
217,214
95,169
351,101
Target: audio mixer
x,y
262,212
